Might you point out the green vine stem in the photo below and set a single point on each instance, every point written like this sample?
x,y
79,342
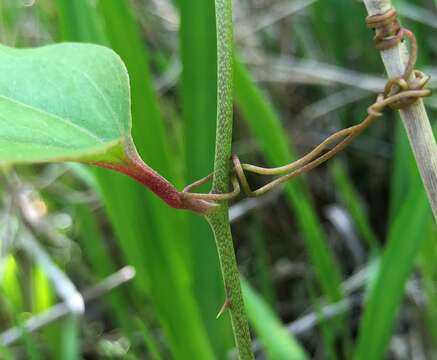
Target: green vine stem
x,y
218,218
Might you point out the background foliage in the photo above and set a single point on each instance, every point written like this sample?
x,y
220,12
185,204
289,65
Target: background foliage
x,y
338,264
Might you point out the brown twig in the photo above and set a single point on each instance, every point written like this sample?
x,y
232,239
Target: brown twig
x,y
414,117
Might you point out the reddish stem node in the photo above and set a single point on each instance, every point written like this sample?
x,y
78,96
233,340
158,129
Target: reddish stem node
x,y
134,167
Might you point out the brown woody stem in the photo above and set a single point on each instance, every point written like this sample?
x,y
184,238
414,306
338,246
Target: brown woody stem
x,y
414,117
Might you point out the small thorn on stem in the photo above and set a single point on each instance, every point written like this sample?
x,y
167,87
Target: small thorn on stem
x,y
226,305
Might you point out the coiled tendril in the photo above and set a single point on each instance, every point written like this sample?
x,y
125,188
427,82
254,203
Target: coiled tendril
x,y
399,93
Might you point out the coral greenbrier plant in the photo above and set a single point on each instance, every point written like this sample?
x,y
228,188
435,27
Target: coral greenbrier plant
x,y
71,102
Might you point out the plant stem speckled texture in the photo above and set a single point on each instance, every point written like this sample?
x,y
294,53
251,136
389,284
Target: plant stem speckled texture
x,y
224,96
219,219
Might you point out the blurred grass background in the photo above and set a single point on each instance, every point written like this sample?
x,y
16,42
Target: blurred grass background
x,y
341,263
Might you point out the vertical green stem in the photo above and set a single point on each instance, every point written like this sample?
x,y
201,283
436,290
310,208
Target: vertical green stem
x,y
219,219
223,14
219,222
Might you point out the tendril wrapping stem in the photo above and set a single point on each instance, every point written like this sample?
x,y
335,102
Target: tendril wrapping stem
x,y
398,93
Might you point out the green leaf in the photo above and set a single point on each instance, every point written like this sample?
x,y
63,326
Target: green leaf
x,y
397,262
63,102
71,102
277,342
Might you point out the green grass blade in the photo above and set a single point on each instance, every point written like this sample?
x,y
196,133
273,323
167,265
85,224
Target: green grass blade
x,y
5,353
10,284
404,242
70,338
149,341
262,265
87,27
278,343
428,268
43,297
402,172
92,243
198,88
101,263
